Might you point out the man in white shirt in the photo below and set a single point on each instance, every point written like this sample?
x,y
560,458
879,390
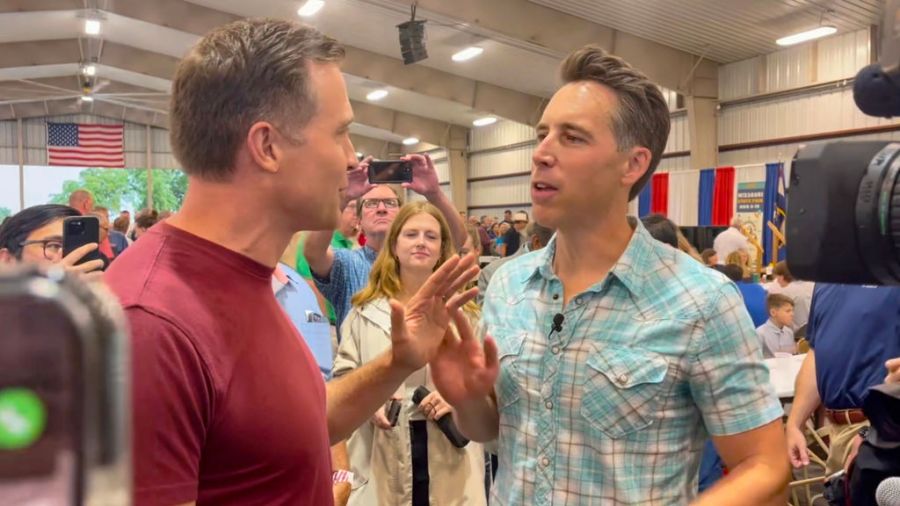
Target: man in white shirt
x,y
799,291
730,240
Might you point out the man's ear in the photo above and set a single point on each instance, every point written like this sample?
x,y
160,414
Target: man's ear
x,y
6,257
263,146
637,165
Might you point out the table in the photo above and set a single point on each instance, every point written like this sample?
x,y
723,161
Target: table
x,y
783,374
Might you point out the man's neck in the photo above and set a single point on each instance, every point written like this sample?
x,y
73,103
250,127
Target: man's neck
x,y
236,228
375,241
586,253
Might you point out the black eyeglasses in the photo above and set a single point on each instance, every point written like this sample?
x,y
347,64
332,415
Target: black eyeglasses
x,y
388,203
52,247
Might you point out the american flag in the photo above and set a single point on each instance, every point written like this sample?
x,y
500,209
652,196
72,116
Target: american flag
x,y
85,145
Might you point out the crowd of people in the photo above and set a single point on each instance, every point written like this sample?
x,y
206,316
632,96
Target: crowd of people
x,y
602,360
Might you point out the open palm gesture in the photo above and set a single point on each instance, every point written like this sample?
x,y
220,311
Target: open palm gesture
x,y
464,369
418,329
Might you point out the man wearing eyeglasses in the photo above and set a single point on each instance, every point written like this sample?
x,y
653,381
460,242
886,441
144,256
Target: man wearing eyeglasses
x,y
339,273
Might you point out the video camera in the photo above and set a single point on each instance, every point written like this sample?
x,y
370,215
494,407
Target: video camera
x,y
843,200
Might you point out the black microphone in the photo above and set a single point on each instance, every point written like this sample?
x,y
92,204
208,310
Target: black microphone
x,y
445,423
558,319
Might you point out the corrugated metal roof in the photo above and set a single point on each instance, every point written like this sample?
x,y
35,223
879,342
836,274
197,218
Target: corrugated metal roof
x,y
723,30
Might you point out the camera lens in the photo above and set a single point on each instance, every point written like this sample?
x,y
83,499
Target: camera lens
x,y
76,226
843,217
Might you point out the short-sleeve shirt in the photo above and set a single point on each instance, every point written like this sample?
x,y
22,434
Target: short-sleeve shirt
x,y
775,339
349,274
754,296
615,408
228,404
854,330
302,307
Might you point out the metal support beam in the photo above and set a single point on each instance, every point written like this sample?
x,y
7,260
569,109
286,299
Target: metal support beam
x,y
703,128
149,160
20,145
458,163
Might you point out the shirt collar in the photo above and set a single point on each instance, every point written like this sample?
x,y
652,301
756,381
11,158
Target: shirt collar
x,y
369,253
630,270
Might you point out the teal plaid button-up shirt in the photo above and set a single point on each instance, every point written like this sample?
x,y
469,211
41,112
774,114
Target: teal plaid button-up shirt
x,y
614,409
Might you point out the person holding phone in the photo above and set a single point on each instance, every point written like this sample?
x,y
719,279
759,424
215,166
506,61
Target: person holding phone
x,y
409,461
35,235
339,274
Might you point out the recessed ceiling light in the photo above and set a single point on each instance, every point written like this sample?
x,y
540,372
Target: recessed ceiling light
x,y
485,121
376,95
87,98
89,70
310,8
410,141
91,26
815,33
359,155
468,53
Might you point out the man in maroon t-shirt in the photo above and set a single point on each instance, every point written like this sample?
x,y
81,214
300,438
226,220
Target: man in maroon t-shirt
x,y
229,406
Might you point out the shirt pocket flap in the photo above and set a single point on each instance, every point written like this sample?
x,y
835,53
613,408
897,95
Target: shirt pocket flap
x,y
627,368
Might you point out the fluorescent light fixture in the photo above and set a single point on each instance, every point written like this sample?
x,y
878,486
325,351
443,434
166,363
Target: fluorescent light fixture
x,y
376,95
92,26
89,70
815,33
310,8
485,121
87,98
468,53
410,141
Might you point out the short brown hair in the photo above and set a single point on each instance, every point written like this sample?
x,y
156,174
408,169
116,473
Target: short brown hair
x,y
246,71
707,254
642,115
781,269
778,300
359,201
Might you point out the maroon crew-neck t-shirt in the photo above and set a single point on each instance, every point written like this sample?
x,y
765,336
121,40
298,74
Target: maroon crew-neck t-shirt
x,y
228,403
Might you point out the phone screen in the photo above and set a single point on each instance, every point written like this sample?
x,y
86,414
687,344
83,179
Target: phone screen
x,y
78,231
390,171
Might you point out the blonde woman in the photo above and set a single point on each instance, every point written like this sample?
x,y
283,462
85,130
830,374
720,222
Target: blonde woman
x,y
412,462
741,258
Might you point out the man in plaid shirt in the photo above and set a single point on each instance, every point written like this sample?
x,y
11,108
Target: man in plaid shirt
x,y
612,358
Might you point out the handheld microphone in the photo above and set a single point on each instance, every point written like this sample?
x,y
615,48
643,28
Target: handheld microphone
x,y
888,492
445,423
558,319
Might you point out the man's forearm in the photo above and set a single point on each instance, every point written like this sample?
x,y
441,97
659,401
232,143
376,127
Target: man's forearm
x,y
758,481
354,398
806,393
457,226
315,249
478,420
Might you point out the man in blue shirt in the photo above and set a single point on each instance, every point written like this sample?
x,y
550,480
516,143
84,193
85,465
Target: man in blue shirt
x,y
340,274
611,358
302,307
852,331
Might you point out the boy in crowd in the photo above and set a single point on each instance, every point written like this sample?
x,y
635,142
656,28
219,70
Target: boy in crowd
x,y
776,334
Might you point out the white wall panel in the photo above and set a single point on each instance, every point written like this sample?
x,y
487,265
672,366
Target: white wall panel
x,y
501,133
675,164
165,161
820,112
829,59
842,56
679,134
785,152
511,190
740,79
497,212
789,68
412,196
497,163
684,191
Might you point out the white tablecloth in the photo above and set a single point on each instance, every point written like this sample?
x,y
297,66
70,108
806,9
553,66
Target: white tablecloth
x,y
783,373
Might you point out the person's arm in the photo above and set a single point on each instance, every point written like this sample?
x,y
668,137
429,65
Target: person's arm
x,y
340,462
316,247
758,473
426,183
806,400
893,367
730,386
417,332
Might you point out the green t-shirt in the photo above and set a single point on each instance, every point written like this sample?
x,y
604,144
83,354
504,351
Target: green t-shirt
x,y
338,241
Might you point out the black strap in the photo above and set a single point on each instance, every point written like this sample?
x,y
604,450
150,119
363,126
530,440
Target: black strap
x,y
418,438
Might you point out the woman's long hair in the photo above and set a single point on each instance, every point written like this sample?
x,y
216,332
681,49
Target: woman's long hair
x,y
384,280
